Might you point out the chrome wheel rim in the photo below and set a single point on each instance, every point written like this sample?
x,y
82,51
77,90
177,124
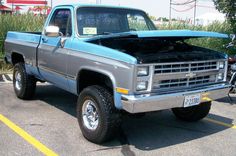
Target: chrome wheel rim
x,y
90,115
18,80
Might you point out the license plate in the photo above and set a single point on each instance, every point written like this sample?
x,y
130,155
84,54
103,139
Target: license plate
x,y
192,100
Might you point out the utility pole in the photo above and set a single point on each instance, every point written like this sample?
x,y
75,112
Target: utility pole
x,y
98,1
195,11
51,3
170,12
12,5
45,7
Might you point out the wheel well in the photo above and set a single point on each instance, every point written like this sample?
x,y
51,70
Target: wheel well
x,y
16,58
88,78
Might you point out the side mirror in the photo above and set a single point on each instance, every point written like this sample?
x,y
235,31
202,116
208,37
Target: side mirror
x,y
232,44
232,36
52,31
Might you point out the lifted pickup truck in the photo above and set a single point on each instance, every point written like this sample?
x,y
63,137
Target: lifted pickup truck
x,y
114,59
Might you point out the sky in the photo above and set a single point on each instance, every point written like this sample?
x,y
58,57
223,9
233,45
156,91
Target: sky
x,y
157,8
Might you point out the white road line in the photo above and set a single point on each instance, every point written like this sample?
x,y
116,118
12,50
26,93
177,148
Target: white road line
x,y
1,79
11,76
5,79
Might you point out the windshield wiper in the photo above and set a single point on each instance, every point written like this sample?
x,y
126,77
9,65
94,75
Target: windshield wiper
x,y
106,33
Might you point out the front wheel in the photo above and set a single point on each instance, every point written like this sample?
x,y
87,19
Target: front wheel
x,y
24,84
193,113
99,120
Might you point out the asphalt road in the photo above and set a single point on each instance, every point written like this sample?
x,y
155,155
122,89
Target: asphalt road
x,y
51,119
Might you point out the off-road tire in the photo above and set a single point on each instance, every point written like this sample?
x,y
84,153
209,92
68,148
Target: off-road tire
x,y
109,116
28,82
193,113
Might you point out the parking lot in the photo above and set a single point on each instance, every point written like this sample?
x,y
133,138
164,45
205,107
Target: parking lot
x,y
51,125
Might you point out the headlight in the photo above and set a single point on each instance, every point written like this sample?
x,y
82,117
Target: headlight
x,y
142,85
221,65
220,77
143,71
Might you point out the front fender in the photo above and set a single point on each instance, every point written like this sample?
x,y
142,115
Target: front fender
x,y
117,96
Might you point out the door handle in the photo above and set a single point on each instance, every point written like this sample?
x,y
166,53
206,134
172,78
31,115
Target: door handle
x,y
63,41
45,40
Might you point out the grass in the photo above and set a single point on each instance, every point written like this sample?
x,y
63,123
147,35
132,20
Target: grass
x,y
4,68
31,23
211,43
25,22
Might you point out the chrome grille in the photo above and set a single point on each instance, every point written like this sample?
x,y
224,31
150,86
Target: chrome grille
x,y
185,67
201,80
177,76
184,82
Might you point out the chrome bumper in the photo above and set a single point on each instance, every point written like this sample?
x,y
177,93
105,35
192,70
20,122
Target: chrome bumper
x,y
154,102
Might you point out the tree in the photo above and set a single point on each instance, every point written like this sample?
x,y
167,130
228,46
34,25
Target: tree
x,y
152,17
229,8
164,19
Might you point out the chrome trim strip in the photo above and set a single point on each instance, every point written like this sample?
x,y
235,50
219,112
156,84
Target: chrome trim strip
x,y
52,71
58,73
183,75
149,64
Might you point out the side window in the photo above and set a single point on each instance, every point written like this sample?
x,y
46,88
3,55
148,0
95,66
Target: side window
x,y
136,22
62,19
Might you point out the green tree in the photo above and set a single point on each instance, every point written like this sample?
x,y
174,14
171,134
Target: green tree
x,y
229,8
164,19
152,17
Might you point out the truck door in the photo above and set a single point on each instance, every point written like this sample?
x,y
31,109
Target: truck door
x,y
52,57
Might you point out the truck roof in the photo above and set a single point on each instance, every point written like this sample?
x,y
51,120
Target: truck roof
x,y
75,5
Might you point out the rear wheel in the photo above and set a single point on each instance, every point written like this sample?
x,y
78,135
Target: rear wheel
x,y
24,84
99,120
193,113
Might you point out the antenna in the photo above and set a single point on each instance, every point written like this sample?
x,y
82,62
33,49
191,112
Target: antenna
x,y
170,13
195,11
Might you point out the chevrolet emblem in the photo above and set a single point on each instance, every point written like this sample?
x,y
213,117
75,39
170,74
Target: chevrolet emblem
x,y
190,75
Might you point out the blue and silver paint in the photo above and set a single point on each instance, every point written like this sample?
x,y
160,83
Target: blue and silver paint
x,y
79,54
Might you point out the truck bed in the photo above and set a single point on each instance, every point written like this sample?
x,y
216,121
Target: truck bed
x,y
24,43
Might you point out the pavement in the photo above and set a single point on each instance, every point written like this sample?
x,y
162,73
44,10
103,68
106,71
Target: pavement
x,y
47,125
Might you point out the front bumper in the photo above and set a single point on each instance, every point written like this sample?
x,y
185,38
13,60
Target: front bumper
x,y
154,102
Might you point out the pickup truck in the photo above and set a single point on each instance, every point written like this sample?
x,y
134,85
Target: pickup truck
x,y
116,61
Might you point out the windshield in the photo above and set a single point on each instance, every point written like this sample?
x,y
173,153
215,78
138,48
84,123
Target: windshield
x,y
102,20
